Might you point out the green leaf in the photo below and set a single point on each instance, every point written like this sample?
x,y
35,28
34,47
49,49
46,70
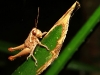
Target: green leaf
x,y
41,54
72,47
54,40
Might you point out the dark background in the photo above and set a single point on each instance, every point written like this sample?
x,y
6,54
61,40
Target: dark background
x,y
17,19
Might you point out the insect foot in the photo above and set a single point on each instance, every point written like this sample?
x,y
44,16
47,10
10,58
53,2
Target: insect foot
x,y
46,47
11,58
10,49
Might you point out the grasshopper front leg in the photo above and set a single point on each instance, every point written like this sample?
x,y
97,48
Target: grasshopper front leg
x,y
42,45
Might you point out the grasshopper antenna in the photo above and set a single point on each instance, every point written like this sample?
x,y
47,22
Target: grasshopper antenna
x,y
36,20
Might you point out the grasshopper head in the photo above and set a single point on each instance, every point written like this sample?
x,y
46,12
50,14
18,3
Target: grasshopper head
x,y
36,32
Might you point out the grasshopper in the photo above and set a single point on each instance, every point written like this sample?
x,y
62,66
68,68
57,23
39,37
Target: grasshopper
x,y
30,43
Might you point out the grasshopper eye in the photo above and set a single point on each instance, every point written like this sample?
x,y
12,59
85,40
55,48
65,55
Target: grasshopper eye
x,y
34,32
